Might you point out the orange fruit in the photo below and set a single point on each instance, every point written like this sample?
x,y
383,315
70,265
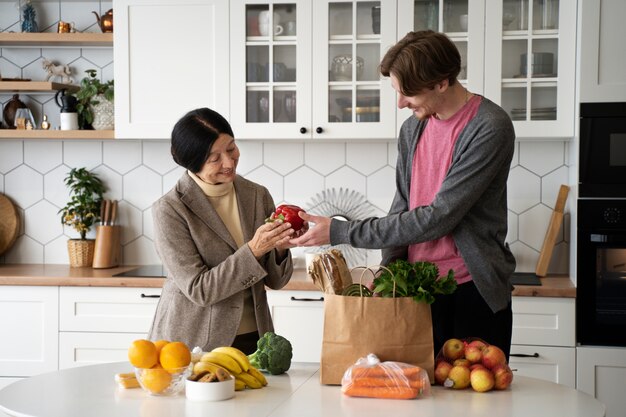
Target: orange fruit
x,y
156,379
142,354
159,345
174,355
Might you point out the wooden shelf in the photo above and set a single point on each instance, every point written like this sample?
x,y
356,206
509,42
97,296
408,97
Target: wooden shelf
x,y
33,86
57,134
56,39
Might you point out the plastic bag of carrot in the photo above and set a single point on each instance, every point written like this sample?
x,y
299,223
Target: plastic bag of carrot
x,y
369,377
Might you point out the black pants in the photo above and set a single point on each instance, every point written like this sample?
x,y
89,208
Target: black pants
x,y
464,314
246,342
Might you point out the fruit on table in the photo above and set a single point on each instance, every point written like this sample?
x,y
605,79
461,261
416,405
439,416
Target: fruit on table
x,y
232,361
287,213
453,349
482,379
441,371
156,379
174,355
486,366
458,377
142,354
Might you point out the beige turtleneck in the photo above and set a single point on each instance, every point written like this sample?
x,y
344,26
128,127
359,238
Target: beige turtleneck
x,y
224,200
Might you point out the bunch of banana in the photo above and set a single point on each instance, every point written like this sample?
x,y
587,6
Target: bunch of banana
x,y
236,363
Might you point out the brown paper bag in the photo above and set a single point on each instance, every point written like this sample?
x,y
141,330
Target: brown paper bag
x,y
395,329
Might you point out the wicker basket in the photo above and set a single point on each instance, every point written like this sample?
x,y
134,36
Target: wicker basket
x,y
81,252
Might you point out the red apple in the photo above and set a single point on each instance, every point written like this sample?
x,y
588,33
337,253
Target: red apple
x,y
482,380
503,376
462,362
441,371
458,377
474,354
493,356
476,365
478,343
453,349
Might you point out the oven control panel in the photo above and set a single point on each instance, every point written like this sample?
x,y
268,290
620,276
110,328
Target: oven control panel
x,y
607,214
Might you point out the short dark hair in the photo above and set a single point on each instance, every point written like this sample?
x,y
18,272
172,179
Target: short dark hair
x,y
421,60
193,136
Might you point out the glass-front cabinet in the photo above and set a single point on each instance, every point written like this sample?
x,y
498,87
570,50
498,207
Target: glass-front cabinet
x,y
530,64
517,53
309,69
462,21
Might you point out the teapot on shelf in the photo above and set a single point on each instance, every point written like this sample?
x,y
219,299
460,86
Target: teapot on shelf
x,y
106,21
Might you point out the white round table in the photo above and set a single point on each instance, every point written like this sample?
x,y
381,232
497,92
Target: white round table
x,y
90,391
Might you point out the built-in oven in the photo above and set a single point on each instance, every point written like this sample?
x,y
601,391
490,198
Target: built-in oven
x,y
601,272
602,156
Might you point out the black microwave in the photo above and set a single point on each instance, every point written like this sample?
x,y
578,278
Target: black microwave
x,y
602,153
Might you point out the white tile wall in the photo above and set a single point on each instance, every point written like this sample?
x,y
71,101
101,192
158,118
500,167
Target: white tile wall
x,y
139,172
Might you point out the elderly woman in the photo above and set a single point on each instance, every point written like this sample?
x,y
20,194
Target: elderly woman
x,y
212,239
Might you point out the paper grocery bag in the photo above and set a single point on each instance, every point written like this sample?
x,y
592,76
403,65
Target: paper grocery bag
x,y
395,329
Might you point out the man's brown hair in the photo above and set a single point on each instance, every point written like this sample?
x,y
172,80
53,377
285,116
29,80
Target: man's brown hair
x,y
421,60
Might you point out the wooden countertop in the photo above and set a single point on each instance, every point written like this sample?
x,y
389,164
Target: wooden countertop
x,y
64,275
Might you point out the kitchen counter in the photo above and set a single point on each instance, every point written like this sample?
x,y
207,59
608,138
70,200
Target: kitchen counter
x,y
91,391
64,275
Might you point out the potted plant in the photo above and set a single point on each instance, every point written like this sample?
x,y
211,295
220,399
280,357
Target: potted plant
x,y
81,213
95,103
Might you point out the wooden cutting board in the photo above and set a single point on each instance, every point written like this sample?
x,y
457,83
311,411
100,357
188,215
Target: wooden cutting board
x,y
553,230
9,223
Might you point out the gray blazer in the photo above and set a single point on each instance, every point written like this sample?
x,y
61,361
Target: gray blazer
x,y
471,204
202,299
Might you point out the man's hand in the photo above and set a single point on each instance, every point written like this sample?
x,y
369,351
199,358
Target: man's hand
x,y
317,235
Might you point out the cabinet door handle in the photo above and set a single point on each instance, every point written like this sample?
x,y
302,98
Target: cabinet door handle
x,y
319,130
303,130
524,355
306,299
150,296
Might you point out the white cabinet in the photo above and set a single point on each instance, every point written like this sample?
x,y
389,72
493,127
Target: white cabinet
x,y
517,53
170,57
315,74
530,61
543,341
602,51
98,324
601,372
30,330
299,316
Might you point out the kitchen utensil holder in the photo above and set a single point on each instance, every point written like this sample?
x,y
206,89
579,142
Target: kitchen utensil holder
x,y
107,250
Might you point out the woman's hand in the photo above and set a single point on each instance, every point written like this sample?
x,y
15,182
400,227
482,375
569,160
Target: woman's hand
x,y
269,236
316,236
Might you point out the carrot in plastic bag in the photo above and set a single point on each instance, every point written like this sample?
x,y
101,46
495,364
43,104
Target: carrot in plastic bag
x,y
369,377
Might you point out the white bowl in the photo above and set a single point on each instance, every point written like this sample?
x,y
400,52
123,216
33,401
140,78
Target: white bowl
x,y
210,391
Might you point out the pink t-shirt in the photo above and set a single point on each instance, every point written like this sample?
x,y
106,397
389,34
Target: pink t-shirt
x,y
431,163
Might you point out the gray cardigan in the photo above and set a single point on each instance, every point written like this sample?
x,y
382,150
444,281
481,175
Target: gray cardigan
x,y
202,299
471,204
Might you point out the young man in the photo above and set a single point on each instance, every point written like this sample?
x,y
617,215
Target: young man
x,y
450,206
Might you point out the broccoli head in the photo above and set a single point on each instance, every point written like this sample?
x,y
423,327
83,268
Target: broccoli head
x,y
273,354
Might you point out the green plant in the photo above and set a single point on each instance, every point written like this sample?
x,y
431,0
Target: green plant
x,y
83,209
274,354
90,87
419,280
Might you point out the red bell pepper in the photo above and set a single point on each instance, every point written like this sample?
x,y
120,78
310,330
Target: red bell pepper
x,y
287,213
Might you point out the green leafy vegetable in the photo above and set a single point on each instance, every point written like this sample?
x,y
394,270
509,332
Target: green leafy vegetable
x,y
419,280
273,354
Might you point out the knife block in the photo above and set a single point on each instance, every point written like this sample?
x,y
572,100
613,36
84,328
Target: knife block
x,y
107,250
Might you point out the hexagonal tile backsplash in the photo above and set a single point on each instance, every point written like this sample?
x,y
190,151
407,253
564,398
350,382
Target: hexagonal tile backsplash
x,y
138,172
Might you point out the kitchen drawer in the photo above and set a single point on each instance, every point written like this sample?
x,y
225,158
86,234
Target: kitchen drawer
x,y
555,364
106,309
88,348
299,316
546,321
